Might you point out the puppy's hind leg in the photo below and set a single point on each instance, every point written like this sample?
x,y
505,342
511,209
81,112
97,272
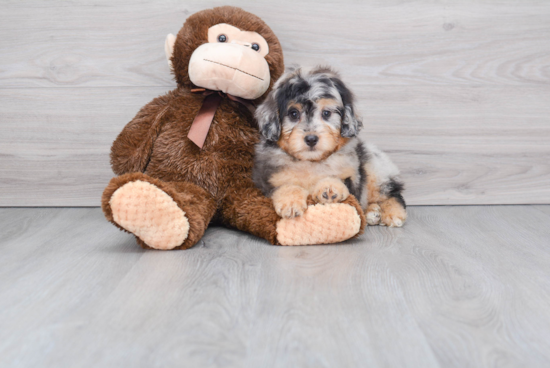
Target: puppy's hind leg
x,y
393,213
386,205
389,207
389,210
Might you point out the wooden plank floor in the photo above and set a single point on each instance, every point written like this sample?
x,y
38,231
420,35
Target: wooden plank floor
x,y
456,287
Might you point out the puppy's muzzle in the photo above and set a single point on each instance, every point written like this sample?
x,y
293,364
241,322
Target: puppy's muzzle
x,y
311,140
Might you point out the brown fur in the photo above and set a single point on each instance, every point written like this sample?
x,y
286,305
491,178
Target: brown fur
x,y
195,33
209,184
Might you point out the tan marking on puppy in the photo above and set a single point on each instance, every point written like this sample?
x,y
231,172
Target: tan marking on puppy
x,y
337,138
307,174
373,214
373,189
292,142
393,214
290,201
304,176
330,190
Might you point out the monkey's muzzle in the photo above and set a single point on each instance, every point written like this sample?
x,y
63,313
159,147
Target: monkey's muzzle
x,y
231,68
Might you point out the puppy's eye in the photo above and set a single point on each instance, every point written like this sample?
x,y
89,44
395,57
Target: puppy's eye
x,y
294,114
326,114
222,38
255,47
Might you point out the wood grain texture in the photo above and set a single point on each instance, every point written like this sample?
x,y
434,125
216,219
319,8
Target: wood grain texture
x,y
456,287
120,43
458,94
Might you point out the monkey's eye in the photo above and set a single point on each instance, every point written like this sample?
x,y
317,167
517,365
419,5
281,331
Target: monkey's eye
x,y
255,47
294,114
326,114
222,38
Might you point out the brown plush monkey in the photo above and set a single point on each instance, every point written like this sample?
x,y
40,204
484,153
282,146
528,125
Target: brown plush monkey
x,y
169,188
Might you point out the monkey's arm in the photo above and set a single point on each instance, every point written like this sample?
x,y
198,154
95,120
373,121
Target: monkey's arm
x,y
133,147
247,209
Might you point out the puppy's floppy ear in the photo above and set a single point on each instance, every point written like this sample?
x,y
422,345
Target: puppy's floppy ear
x,y
267,115
351,125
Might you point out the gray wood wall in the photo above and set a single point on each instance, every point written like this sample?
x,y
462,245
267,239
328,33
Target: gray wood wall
x,y
457,92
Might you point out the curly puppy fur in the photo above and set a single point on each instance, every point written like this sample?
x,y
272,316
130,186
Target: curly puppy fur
x,y
309,146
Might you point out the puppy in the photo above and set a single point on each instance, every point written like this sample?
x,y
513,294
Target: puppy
x,y
309,146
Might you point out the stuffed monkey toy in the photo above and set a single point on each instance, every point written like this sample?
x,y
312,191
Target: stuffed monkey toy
x,y
185,160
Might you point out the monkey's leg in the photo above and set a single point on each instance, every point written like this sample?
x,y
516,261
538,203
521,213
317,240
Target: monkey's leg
x,y
162,215
249,210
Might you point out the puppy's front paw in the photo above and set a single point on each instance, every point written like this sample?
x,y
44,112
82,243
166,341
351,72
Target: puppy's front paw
x,y
330,190
373,214
290,201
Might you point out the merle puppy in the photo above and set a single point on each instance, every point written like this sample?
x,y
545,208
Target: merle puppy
x,y
309,146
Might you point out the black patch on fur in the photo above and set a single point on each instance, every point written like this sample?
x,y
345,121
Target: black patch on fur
x,y
362,154
350,126
394,189
272,144
271,130
263,170
349,184
268,119
357,190
345,93
289,92
309,108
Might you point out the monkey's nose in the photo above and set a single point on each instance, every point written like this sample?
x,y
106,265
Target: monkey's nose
x,y
311,140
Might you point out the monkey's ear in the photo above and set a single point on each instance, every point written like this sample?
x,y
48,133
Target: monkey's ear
x,y
169,48
267,115
351,124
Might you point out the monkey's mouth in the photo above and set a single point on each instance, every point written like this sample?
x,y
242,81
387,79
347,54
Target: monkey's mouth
x,y
230,67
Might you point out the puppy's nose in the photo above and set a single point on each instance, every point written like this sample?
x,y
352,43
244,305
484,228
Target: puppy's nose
x,y
311,140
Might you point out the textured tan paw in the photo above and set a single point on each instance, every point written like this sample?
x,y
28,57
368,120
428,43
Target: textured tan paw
x,y
290,201
330,190
320,224
150,214
392,213
373,214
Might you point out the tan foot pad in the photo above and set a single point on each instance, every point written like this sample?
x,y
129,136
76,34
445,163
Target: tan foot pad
x,y
150,214
320,224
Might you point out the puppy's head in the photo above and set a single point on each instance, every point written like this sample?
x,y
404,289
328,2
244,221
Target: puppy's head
x,y
310,115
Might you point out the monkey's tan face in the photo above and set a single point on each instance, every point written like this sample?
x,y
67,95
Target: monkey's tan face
x,y
233,61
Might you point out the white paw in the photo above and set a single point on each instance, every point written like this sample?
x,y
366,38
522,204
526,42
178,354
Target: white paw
x,y
373,217
373,214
